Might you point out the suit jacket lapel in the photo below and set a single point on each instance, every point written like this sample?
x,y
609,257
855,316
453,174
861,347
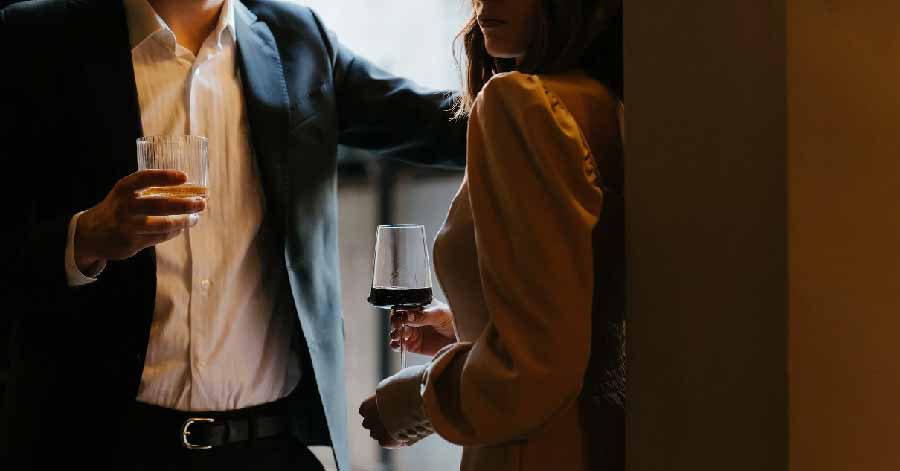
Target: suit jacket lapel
x,y
107,121
107,87
266,98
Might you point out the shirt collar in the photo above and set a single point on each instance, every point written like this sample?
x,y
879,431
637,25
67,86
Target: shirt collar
x,y
226,22
144,22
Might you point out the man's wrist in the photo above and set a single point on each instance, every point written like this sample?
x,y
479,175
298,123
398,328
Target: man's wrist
x,y
82,266
90,268
85,258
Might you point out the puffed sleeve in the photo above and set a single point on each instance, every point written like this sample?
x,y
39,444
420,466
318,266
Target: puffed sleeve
x,y
534,202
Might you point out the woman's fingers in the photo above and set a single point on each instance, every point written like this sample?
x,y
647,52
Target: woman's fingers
x,y
411,333
401,316
397,320
413,318
413,340
417,319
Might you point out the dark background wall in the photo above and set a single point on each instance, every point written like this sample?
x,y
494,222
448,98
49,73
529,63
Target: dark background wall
x,y
707,214
5,325
844,109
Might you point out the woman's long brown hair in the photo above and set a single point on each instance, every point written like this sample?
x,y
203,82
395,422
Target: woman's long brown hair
x,y
571,34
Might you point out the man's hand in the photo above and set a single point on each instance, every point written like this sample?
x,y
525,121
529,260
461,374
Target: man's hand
x,y
123,224
426,332
372,422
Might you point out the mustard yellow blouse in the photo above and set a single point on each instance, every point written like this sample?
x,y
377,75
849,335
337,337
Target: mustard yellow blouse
x,y
514,258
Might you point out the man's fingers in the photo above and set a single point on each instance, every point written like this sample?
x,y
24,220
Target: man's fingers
x,y
147,178
167,206
159,225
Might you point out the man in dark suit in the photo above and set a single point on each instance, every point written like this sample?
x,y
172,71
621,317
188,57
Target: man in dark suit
x,y
148,341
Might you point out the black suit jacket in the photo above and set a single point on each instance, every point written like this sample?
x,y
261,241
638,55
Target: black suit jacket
x,y
68,124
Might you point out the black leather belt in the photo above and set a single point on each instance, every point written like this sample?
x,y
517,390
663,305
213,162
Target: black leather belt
x,y
206,430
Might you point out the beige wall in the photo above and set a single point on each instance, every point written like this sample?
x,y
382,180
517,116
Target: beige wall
x,y
844,108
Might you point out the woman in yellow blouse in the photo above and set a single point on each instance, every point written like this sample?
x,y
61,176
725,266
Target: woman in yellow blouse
x,y
528,372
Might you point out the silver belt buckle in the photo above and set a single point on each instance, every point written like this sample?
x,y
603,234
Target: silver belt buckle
x,y
185,431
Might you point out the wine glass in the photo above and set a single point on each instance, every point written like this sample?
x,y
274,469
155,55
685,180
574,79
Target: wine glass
x,y
402,276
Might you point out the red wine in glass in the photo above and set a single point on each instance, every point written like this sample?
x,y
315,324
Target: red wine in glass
x,y
389,298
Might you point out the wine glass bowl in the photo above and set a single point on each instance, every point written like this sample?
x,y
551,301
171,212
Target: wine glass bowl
x,y
402,273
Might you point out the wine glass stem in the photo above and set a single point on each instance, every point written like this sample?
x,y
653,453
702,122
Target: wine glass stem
x,y
402,346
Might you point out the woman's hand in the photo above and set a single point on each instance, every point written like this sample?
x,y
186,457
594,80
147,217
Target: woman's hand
x,y
427,330
372,422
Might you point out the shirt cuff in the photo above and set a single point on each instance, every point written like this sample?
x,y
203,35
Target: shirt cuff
x,y
73,274
400,406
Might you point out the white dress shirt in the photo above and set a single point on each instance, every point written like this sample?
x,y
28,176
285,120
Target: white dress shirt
x,y
215,341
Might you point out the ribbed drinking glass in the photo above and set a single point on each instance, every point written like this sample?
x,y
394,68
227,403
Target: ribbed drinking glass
x,y
188,154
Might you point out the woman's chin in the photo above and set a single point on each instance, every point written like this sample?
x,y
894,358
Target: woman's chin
x,y
498,50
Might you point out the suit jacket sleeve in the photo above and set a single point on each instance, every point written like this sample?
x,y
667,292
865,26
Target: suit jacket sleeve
x,y
391,116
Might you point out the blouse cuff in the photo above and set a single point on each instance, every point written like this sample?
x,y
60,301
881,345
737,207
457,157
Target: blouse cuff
x,y
400,406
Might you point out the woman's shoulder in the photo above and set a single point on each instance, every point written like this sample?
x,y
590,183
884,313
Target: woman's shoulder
x,y
571,104
557,124
510,92
518,89
502,84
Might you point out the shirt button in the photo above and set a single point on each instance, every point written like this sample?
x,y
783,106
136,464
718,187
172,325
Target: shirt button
x,y
204,285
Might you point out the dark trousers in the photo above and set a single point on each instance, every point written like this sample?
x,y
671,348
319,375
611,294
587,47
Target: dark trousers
x,y
280,453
